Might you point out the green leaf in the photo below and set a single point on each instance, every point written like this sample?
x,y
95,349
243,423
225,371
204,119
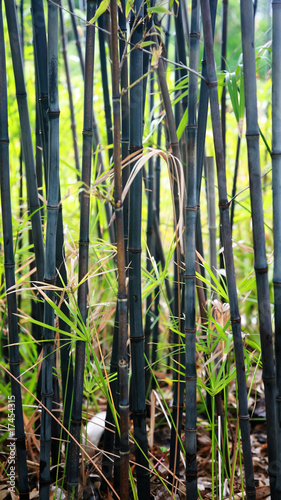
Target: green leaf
x,y
157,10
129,6
100,10
182,124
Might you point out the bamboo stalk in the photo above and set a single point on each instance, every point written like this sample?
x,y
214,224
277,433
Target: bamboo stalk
x,y
76,36
121,263
96,139
104,78
40,55
73,468
178,386
211,198
9,264
226,234
32,190
276,187
190,278
235,181
260,263
137,394
124,111
223,67
50,255
150,242
70,95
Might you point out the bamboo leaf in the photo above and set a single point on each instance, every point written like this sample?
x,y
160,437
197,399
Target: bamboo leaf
x,y
101,9
157,10
129,6
182,124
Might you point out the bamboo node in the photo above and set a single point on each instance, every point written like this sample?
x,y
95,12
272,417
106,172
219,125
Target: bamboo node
x,y
4,141
212,84
243,417
53,114
224,204
252,135
136,339
190,127
261,270
235,320
134,250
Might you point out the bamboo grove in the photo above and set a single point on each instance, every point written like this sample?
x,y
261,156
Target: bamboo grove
x,y
140,249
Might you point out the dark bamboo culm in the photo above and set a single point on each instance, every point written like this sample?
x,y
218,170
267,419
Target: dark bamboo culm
x,y
177,309
110,440
228,254
73,465
20,236
50,252
235,176
180,45
190,278
96,139
124,110
32,191
40,56
137,394
9,265
223,66
276,187
76,36
201,132
105,89
174,144
70,95
150,248
260,263
121,264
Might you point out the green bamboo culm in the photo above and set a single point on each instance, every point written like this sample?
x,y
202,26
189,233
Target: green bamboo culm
x,y
121,264
228,254
32,190
9,264
137,393
50,252
190,278
73,462
276,188
260,261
